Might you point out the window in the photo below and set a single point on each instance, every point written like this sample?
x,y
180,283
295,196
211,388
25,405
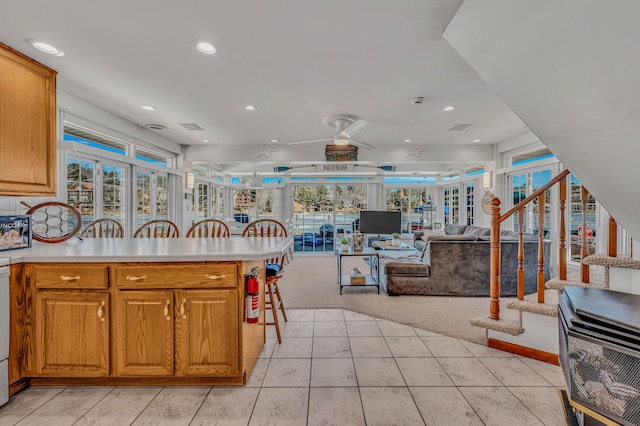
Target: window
x,y
151,157
470,202
102,195
322,212
151,196
83,137
523,185
81,187
575,208
114,191
202,201
411,202
451,208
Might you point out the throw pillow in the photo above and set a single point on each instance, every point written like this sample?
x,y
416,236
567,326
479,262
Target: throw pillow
x,y
431,233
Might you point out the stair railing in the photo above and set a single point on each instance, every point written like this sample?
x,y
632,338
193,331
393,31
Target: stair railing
x,y
497,219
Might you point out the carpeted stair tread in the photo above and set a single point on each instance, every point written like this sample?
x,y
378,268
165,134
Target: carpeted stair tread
x,y
530,304
509,322
597,280
621,261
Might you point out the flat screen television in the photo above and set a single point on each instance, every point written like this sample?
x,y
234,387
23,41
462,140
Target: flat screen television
x,y
380,222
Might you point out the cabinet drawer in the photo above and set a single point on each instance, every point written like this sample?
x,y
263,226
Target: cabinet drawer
x,y
71,276
196,275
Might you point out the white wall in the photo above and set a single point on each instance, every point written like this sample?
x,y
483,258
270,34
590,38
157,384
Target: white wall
x,y
570,70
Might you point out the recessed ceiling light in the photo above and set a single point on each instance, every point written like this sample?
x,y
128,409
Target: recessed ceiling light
x,y
148,107
206,48
251,108
46,47
407,140
274,140
476,140
449,108
206,140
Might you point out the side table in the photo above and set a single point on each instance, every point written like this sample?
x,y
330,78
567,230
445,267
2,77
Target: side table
x,y
344,280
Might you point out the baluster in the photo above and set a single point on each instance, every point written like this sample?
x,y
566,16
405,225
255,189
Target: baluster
x,y
584,251
562,245
541,278
494,289
613,237
520,254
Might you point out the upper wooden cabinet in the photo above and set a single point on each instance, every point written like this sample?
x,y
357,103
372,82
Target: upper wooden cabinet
x,y
27,125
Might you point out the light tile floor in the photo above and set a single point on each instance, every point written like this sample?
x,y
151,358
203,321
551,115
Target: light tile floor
x,y
334,367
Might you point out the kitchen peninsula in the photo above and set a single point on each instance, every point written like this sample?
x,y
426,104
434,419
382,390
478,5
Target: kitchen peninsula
x,y
135,311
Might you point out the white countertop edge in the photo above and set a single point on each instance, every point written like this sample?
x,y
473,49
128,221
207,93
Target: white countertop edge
x,y
152,250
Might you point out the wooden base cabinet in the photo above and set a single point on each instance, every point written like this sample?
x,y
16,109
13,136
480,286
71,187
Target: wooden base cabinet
x,y
72,333
207,333
156,323
202,323
144,333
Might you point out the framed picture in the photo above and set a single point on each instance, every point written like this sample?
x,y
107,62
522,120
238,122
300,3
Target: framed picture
x,y
437,225
15,232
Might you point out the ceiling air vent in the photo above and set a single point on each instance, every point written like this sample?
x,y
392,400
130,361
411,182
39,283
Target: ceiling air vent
x,y
191,126
154,126
459,127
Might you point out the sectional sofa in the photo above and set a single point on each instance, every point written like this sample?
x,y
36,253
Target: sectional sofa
x,y
457,263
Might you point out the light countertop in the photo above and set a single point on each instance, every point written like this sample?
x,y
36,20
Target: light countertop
x,y
152,250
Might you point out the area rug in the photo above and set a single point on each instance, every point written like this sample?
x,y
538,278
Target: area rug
x,y
311,283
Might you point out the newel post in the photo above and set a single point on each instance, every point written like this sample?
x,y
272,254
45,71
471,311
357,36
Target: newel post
x,y
494,290
612,247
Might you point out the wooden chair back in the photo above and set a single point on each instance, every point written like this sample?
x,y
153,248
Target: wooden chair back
x,y
209,228
103,228
264,228
160,228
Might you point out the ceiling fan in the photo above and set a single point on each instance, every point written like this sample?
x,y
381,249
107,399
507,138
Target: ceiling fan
x,y
346,126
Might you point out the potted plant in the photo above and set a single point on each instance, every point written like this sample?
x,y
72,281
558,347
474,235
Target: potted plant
x,y
396,239
345,244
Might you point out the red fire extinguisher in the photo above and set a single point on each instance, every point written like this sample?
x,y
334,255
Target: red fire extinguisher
x,y
253,291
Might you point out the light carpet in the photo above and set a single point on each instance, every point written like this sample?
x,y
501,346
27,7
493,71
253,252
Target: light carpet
x,y
311,282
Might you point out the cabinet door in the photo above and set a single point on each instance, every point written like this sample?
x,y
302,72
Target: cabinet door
x,y
72,333
144,333
207,332
27,125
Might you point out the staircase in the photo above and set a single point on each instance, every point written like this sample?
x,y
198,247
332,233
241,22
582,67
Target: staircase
x,y
529,325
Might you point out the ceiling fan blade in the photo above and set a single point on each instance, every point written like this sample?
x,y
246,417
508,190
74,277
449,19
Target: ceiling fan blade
x,y
354,128
362,144
315,140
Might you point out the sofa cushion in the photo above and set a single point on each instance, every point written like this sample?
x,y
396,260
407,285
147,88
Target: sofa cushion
x,y
477,231
407,267
455,229
430,233
465,237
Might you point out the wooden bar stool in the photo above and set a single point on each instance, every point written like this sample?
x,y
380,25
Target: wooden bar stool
x,y
265,228
160,228
209,228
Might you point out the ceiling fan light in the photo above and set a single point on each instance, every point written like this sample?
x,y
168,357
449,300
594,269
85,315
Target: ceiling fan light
x,y
341,141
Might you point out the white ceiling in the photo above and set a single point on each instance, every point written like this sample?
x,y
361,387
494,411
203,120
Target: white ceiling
x,y
296,60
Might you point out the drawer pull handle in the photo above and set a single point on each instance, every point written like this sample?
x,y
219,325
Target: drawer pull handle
x,y
166,310
182,309
140,278
101,311
67,278
216,277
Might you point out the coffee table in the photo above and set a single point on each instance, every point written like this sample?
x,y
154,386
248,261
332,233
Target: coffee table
x,y
344,280
382,245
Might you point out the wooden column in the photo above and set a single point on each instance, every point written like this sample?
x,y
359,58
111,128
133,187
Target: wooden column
x,y
584,250
612,249
494,290
562,243
520,255
541,278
